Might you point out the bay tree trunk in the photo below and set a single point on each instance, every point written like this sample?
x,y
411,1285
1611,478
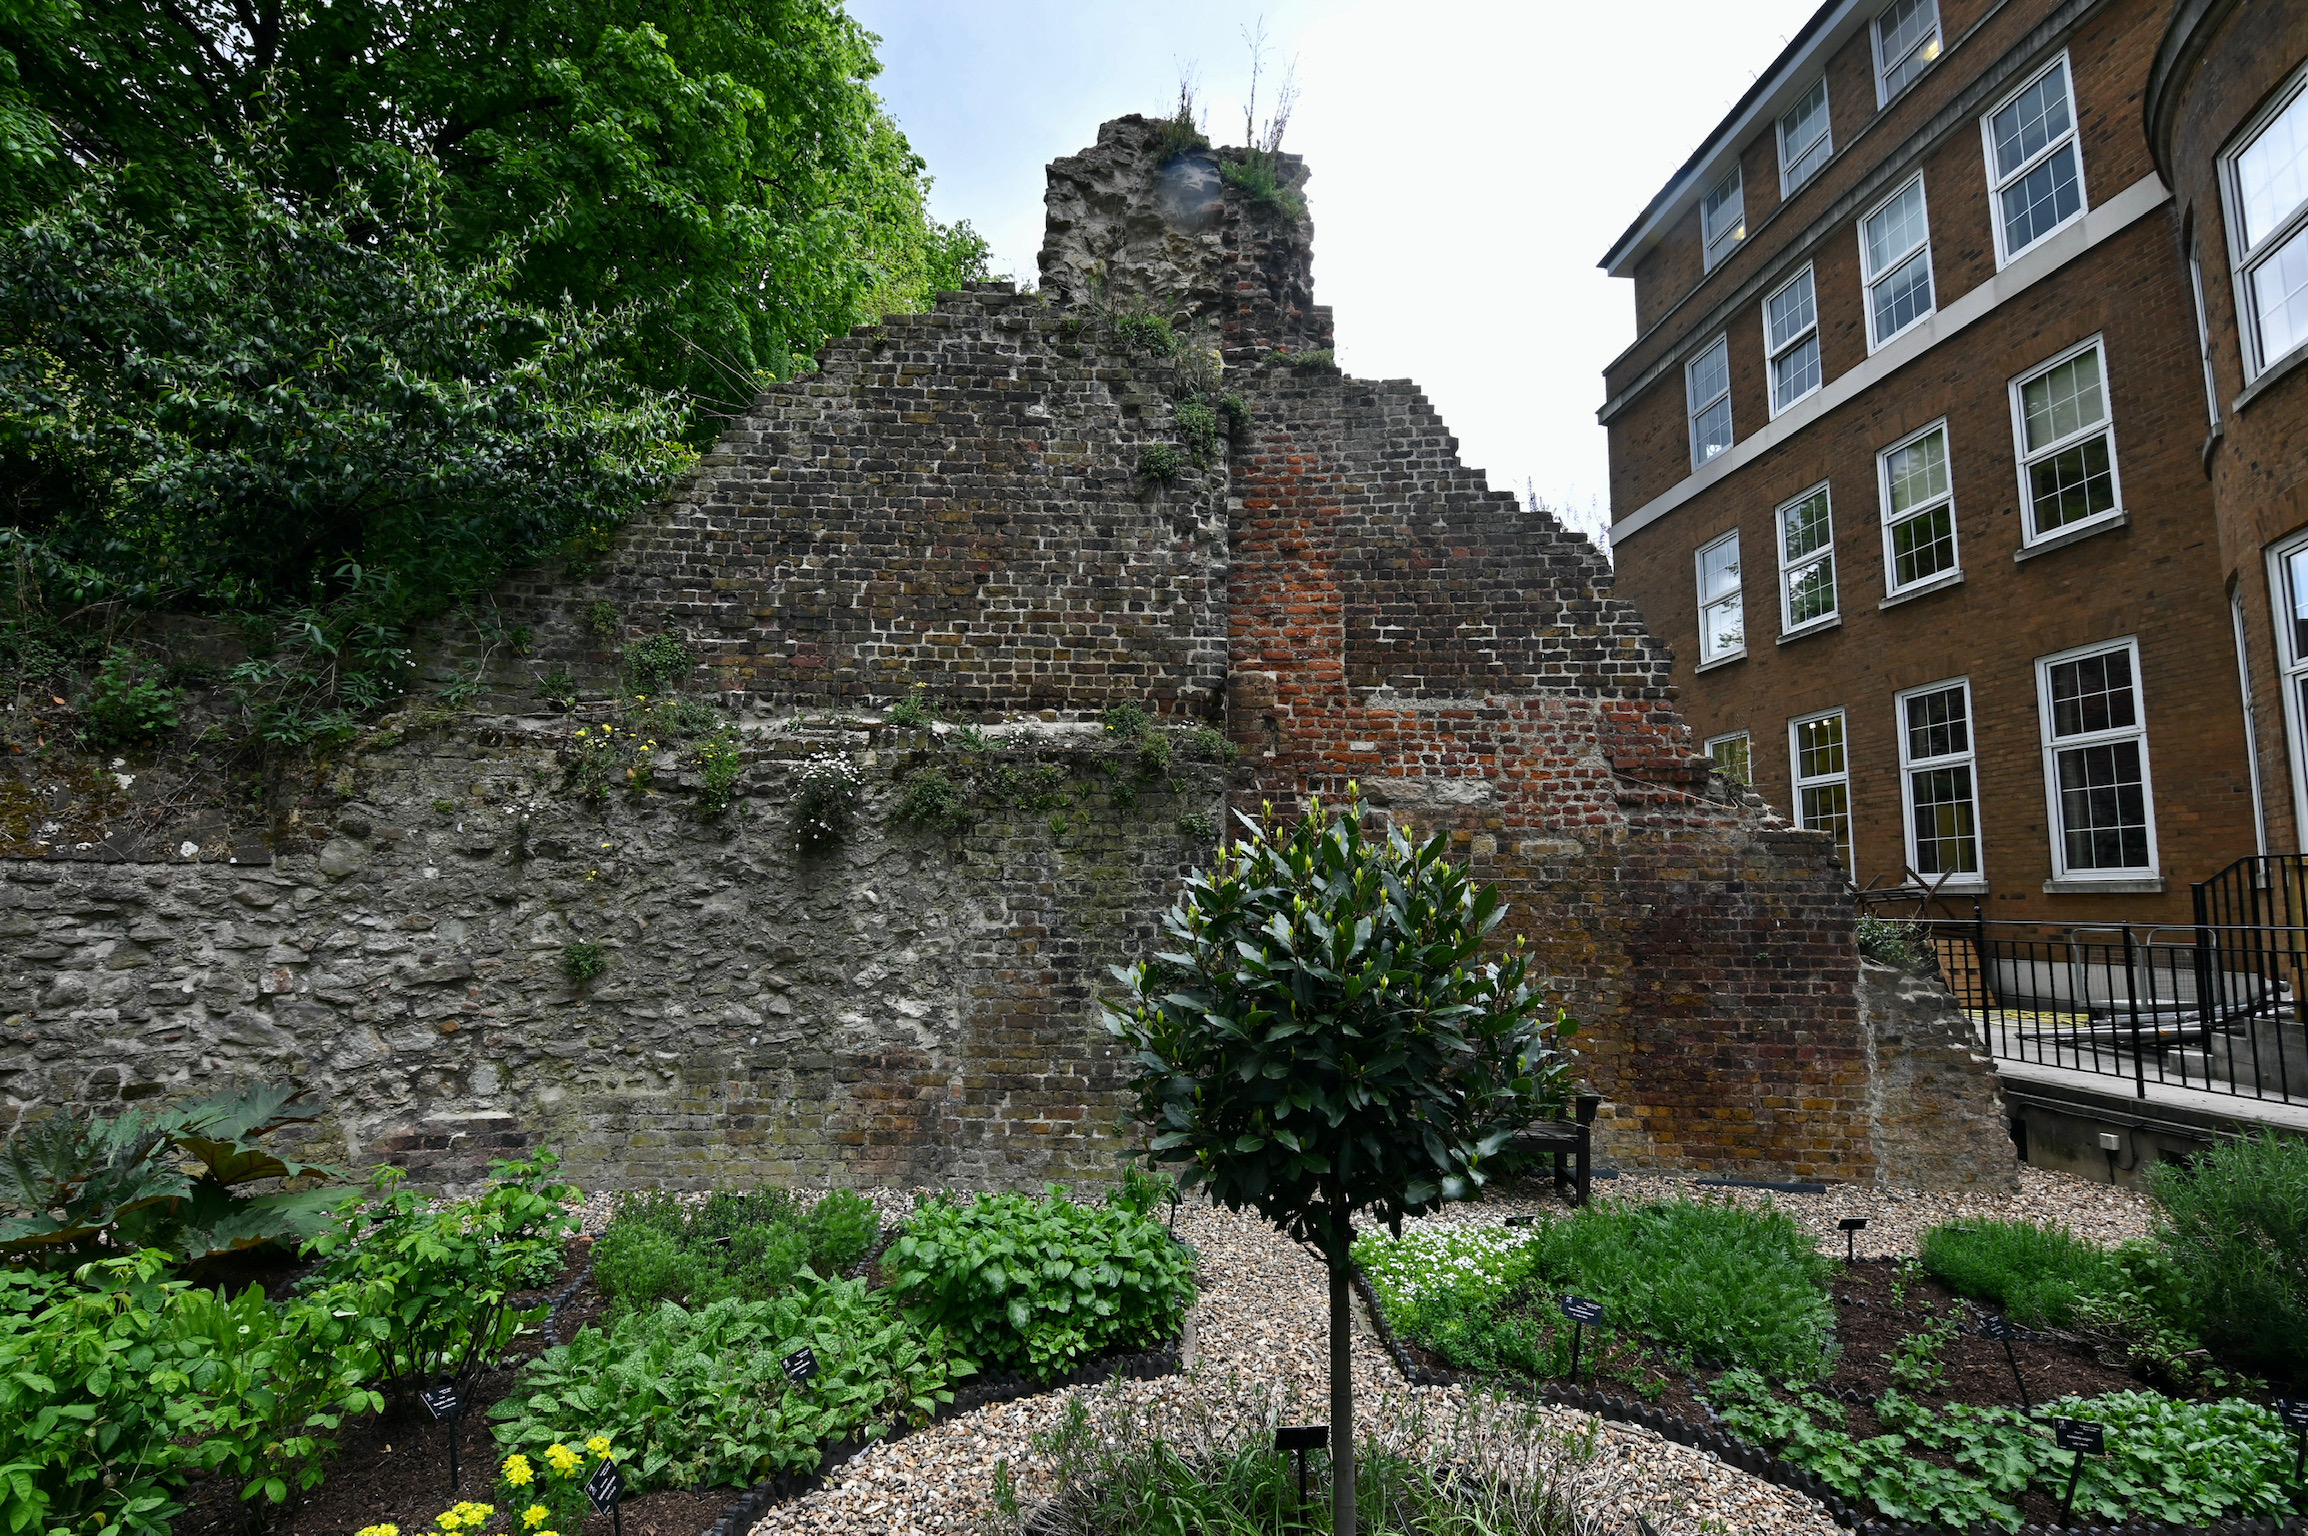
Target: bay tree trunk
x,y
1341,1389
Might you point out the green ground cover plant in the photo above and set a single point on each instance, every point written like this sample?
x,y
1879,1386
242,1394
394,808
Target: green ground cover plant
x,y
1040,1285
749,1247
2184,1463
701,1398
2033,1272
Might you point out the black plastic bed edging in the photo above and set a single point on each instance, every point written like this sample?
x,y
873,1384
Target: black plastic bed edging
x,y
1731,1450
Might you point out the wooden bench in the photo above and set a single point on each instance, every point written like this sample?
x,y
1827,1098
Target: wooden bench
x,y
1569,1139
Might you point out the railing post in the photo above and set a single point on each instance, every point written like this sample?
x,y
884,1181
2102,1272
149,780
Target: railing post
x,y
2204,982
2132,1001
1989,1023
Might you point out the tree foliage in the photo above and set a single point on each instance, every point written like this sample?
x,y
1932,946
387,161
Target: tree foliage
x,y
1324,1035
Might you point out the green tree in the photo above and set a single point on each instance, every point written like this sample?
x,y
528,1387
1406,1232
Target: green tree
x,y
1323,1038
723,168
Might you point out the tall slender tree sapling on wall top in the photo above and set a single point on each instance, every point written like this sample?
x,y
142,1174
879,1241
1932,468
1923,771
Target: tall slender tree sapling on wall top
x,y
1324,1037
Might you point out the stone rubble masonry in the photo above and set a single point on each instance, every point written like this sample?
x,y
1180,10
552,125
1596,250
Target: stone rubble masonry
x,y
1936,1111
954,499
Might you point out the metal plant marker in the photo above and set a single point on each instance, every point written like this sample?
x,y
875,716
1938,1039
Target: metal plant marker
x,y
1582,1314
2000,1329
1298,1439
800,1366
1851,1227
604,1489
443,1403
2292,1413
2083,1438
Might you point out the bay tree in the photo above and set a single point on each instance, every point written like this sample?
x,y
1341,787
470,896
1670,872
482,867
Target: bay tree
x,y
1327,1035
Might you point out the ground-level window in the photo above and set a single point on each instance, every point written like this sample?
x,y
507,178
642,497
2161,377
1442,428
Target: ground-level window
x,y
2096,763
1806,561
1822,779
2288,592
1722,610
1935,762
2067,446
1734,756
1918,509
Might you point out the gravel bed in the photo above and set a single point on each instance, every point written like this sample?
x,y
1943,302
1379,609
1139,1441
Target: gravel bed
x,y
1260,1336
2106,1214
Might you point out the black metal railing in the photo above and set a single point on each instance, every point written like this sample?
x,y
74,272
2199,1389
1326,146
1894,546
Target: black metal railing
x,y
2211,1005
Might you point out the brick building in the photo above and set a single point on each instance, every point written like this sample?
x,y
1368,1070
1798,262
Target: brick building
x,y
1909,464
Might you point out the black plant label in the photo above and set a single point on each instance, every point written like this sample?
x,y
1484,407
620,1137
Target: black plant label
x,y
1996,1328
1580,1310
2079,1435
440,1402
800,1366
606,1486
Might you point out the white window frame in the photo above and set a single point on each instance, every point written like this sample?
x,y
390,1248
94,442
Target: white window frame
x,y
1954,573
2005,254
2053,745
1693,407
2026,459
1738,595
2204,336
1726,739
1883,66
2291,670
1868,279
1798,783
2244,257
2251,718
1824,138
1728,237
1911,765
1787,623
1772,356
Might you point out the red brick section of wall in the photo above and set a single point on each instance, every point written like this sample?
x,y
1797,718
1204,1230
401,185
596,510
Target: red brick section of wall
x,y
1395,623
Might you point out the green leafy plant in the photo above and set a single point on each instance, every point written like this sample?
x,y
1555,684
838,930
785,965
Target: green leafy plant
x,y
1159,464
1211,746
653,662
1313,360
826,791
603,620
703,1394
432,1287
750,1247
912,709
2032,1272
558,689
973,739
1198,429
1200,826
83,1188
1895,941
2235,1225
125,705
1040,1286
932,799
583,962
720,765
1154,751
1128,720
1324,1036
1258,176
1915,1361
1148,333
1180,132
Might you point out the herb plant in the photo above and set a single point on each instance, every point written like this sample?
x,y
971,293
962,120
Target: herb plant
x,y
125,705
2236,1229
1040,1286
659,1248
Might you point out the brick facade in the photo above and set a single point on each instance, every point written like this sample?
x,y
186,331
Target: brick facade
x,y
2154,576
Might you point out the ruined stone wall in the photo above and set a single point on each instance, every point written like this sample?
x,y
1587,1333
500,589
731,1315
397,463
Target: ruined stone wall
x,y
1935,1105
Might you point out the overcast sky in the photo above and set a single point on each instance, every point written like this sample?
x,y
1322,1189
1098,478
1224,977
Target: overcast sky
x,y
1470,162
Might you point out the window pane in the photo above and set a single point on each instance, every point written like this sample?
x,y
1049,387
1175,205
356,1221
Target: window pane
x,y
1723,628
1827,808
2280,298
1917,472
2036,116
2296,577
1796,373
2071,485
1811,591
2063,400
2093,693
1711,433
1896,228
2038,202
1923,546
1719,569
1819,747
2103,806
1710,374
1906,34
1789,311
1732,755
1804,166
1807,527
1803,137
1946,842
1903,297
2272,175
1723,206
1937,725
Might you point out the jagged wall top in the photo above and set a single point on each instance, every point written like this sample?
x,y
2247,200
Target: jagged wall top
x,y
1132,225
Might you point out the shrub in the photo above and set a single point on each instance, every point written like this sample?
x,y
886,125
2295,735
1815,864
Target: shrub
x,y
2235,1224
124,706
705,1397
1039,1286
2033,1272
1895,941
1159,464
1198,430
432,1287
652,663
750,1247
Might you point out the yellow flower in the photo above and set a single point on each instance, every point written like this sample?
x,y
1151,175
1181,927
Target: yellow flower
x,y
599,1446
378,1530
563,1460
582,731
517,1470
536,1514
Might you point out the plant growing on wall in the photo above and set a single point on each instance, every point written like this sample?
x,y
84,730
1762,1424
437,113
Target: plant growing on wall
x,y
825,800
1323,1039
